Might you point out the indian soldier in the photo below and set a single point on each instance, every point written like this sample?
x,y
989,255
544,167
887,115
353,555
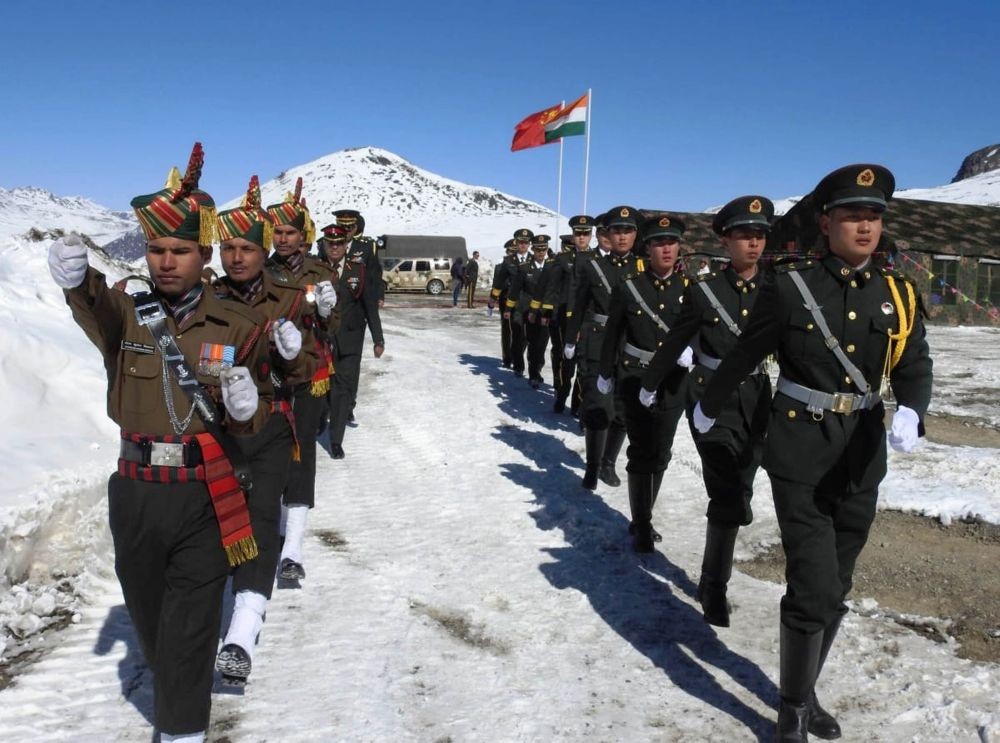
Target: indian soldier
x,y
361,248
176,505
245,234
522,242
602,416
846,333
471,278
528,309
560,290
291,265
716,310
644,306
358,309
502,275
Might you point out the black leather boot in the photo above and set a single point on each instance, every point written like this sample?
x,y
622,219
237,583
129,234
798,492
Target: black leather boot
x,y
595,448
607,474
799,664
821,723
640,500
716,569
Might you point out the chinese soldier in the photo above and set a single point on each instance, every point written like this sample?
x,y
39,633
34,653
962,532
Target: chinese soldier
x,y
502,275
847,333
510,266
715,312
527,307
176,505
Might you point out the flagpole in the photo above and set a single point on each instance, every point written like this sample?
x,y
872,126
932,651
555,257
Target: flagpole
x,y
586,162
559,188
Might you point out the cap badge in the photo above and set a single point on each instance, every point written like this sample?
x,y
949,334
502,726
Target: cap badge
x,y
845,272
665,222
887,308
624,213
755,206
582,220
866,177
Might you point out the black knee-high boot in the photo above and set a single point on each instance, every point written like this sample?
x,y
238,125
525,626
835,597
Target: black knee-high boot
x,y
821,723
799,664
595,440
716,569
640,500
607,474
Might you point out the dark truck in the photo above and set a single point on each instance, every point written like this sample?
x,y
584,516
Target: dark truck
x,y
419,262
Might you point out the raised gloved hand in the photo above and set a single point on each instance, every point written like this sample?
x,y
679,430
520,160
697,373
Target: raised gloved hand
x,y
686,359
646,398
903,436
569,350
239,393
287,339
604,386
68,261
702,423
326,298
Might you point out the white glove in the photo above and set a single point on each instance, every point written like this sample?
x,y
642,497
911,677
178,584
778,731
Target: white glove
x,y
287,339
68,261
702,423
239,393
903,436
686,359
646,398
326,298
604,385
569,350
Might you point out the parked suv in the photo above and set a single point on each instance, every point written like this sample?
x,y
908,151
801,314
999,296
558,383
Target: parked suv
x,y
431,275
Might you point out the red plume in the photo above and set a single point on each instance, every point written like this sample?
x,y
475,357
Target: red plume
x,y
252,200
298,190
193,173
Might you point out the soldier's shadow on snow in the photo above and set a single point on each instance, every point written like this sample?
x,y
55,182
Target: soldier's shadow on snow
x,y
133,673
515,397
647,599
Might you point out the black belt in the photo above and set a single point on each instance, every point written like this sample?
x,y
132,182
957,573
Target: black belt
x,y
160,454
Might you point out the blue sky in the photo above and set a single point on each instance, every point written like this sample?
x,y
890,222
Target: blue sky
x,y
694,103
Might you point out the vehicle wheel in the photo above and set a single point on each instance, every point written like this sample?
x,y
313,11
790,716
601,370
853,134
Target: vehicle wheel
x,y
435,286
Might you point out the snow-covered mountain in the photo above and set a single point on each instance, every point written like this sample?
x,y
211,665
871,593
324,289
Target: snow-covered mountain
x,y
982,189
35,212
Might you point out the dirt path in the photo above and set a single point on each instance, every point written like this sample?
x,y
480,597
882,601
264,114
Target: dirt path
x,y
913,565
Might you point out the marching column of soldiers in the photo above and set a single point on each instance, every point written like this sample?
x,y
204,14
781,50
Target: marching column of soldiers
x,y
220,386
651,344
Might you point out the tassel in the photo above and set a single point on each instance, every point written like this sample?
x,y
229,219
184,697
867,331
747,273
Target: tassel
x,y
206,225
320,388
268,233
241,551
308,227
296,452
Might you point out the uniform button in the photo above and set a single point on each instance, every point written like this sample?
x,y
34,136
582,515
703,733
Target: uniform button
x,y
659,343
715,319
132,369
744,312
854,283
847,380
852,315
179,336
850,348
791,413
701,380
744,290
809,326
662,305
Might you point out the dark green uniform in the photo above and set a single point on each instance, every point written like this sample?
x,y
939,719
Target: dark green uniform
x,y
528,284
557,298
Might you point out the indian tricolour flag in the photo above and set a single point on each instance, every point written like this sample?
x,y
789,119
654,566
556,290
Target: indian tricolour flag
x,y
571,121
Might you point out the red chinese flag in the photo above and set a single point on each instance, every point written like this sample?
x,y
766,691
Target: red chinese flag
x,y
531,131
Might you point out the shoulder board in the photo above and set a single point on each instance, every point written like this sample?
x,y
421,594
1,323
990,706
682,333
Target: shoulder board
x,y
894,273
795,266
640,265
685,280
705,277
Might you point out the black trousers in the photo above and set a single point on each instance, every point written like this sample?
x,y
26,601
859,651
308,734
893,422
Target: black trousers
x,y
563,369
518,342
343,389
269,454
301,490
538,338
172,569
504,333
470,294
650,430
597,411
823,530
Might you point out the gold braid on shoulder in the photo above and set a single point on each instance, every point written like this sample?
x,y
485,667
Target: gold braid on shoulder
x,y
907,314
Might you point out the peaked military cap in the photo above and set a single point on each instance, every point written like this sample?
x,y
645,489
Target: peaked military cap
x,y
746,211
664,225
347,217
540,242
600,221
523,234
566,240
293,211
334,233
248,221
863,184
581,223
509,245
622,216
180,209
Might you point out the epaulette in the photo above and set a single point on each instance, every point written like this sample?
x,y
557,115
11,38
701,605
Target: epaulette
x,y
705,276
795,266
640,265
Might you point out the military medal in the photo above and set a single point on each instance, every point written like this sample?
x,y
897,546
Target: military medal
x,y
887,308
311,293
214,358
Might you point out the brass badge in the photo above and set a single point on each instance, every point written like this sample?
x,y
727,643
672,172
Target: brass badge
x,y
755,206
623,213
866,177
665,222
845,272
582,220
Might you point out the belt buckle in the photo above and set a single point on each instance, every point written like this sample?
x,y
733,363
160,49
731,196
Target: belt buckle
x,y
843,403
166,455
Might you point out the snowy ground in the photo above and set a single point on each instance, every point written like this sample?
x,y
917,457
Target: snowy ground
x,y
462,586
